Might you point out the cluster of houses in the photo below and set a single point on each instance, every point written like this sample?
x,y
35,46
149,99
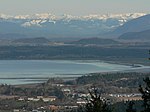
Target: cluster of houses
x,y
79,97
127,97
38,98
25,98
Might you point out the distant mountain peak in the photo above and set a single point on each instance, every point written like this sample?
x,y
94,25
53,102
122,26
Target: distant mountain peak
x,y
67,16
50,25
136,25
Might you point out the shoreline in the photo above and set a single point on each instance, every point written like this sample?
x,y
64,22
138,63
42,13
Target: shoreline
x,y
28,80
79,60
39,80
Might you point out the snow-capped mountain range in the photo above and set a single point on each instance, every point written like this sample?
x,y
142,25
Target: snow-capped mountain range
x,y
54,17
50,25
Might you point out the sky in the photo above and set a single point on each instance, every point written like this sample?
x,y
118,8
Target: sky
x,y
73,7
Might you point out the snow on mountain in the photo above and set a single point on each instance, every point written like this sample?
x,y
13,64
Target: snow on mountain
x,y
39,19
3,16
33,23
70,17
22,17
44,16
117,16
50,24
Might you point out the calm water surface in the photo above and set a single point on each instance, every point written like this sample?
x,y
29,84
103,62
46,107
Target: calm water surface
x,y
31,69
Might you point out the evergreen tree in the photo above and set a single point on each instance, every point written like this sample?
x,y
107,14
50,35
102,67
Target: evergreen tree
x,y
130,107
97,103
146,94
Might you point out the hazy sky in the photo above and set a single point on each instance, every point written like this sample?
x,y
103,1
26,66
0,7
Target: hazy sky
x,y
74,7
